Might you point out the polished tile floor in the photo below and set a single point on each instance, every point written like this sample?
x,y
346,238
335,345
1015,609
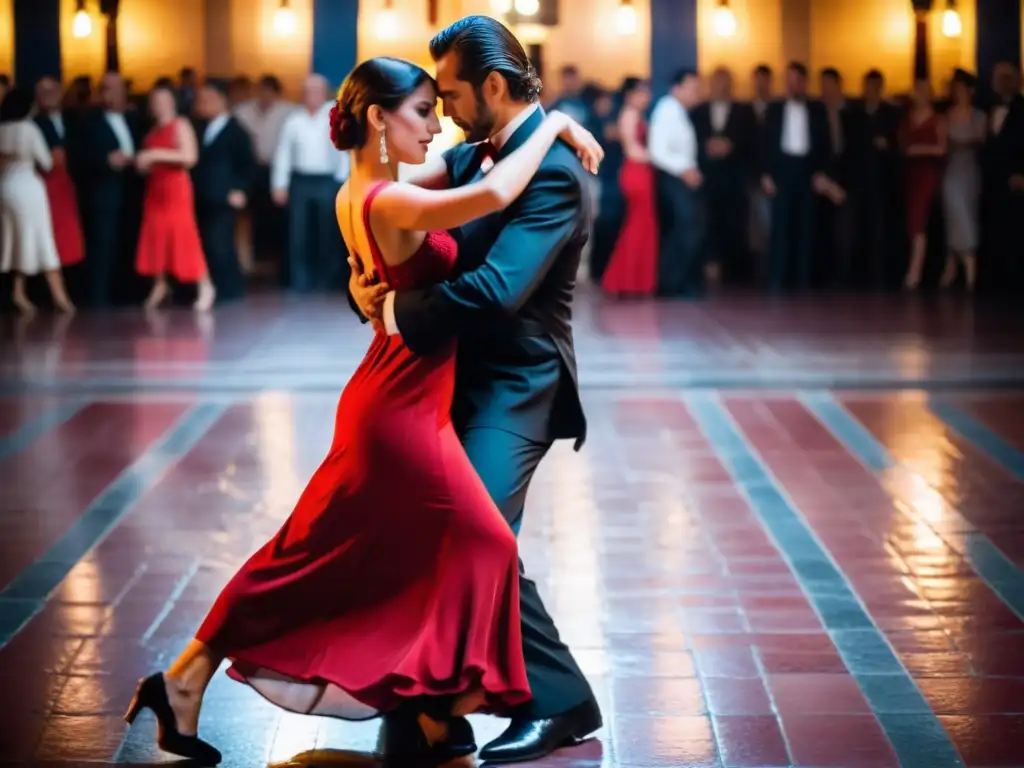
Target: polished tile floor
x,y
795,536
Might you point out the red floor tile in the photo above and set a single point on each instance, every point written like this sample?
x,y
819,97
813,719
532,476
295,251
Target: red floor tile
x,y
846,741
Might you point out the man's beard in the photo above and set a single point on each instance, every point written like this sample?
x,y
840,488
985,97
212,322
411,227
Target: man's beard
x,y
483,125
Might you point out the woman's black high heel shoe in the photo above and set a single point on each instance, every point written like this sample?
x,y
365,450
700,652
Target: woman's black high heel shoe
x,y
152,694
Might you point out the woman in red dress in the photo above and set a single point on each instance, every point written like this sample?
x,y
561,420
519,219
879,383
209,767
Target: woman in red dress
x,y
60,189
924,145
169,241
394,583
633,267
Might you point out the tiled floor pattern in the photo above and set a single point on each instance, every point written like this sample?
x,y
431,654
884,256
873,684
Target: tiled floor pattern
x,y
752,578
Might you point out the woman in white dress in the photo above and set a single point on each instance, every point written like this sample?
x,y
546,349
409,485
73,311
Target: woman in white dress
x,y
27,246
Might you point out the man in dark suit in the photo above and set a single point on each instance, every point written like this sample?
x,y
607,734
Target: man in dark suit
x,y
725,133
874,181
1003,184
222,179
111,192
510,306
840,201
795,156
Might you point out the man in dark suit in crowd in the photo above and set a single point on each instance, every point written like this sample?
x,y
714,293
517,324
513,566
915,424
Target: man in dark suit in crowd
x,y
874,182
795,156
222,179
840,200
111,194
725,132
510,306
1002,268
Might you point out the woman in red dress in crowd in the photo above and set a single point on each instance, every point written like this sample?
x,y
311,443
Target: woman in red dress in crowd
x,y
924,145
394,584
60,189
169,241
633,267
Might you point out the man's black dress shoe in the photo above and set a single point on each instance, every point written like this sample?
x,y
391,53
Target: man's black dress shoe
x,y
526,739
402,741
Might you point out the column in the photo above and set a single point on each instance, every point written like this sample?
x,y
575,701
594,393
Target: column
x,y
217,39
922,65
796,31
673,39
335,38
36,40
999,34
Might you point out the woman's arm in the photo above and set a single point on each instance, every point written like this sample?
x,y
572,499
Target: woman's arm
x,y
416,209
629,120
40,151
185,154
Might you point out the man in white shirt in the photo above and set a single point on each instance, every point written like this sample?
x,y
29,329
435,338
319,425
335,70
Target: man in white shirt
x,y
796,153
306,174
672,143
112,194
263,117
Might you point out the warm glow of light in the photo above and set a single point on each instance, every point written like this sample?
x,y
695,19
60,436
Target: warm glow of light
x,y
82,25
527,7
531,34
951,24
387,26
625,19
501,7
285,23
724,21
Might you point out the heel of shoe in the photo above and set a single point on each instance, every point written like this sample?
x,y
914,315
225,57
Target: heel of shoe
x,y
133,710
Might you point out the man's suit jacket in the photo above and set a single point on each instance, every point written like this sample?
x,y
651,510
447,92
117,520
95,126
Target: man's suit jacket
x,y
225,164
740,129
817,126
510,301
103,187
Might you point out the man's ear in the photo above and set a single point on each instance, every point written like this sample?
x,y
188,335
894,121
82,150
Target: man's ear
x,y
495,86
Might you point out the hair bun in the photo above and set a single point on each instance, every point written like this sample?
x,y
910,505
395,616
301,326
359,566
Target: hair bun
x,y
344,128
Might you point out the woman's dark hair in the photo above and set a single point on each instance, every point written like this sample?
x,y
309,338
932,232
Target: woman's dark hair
x,y
631,84
163,84
16,105
964,78
485,45
383,81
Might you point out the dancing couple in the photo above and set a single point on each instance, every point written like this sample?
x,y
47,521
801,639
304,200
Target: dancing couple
x,y
394,589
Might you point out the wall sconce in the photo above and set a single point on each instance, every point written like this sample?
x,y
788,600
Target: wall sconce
x,y
527,7
625,18
285,23
386,24
951,24
82,25
724,20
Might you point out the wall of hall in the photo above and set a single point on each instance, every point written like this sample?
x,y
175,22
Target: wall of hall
x,y
6,37
853,37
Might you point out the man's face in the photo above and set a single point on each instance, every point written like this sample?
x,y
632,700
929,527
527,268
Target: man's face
x,y
48,94
796,83
763,85
466,106
721,85
872,89
113,92
831,90
1004,80
210,102
688,91
266,96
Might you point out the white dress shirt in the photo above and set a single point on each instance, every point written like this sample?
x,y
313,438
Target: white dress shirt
x,y
671,140
57,121
305,147
264,126
796,132
998,118
214,127
120,128
498,140
719,115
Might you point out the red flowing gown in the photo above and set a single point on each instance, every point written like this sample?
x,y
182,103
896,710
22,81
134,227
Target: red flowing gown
x,y
633,267
169,241
923,175
395,575
63,199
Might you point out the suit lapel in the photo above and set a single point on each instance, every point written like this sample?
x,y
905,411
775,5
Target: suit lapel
x,y
521,134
